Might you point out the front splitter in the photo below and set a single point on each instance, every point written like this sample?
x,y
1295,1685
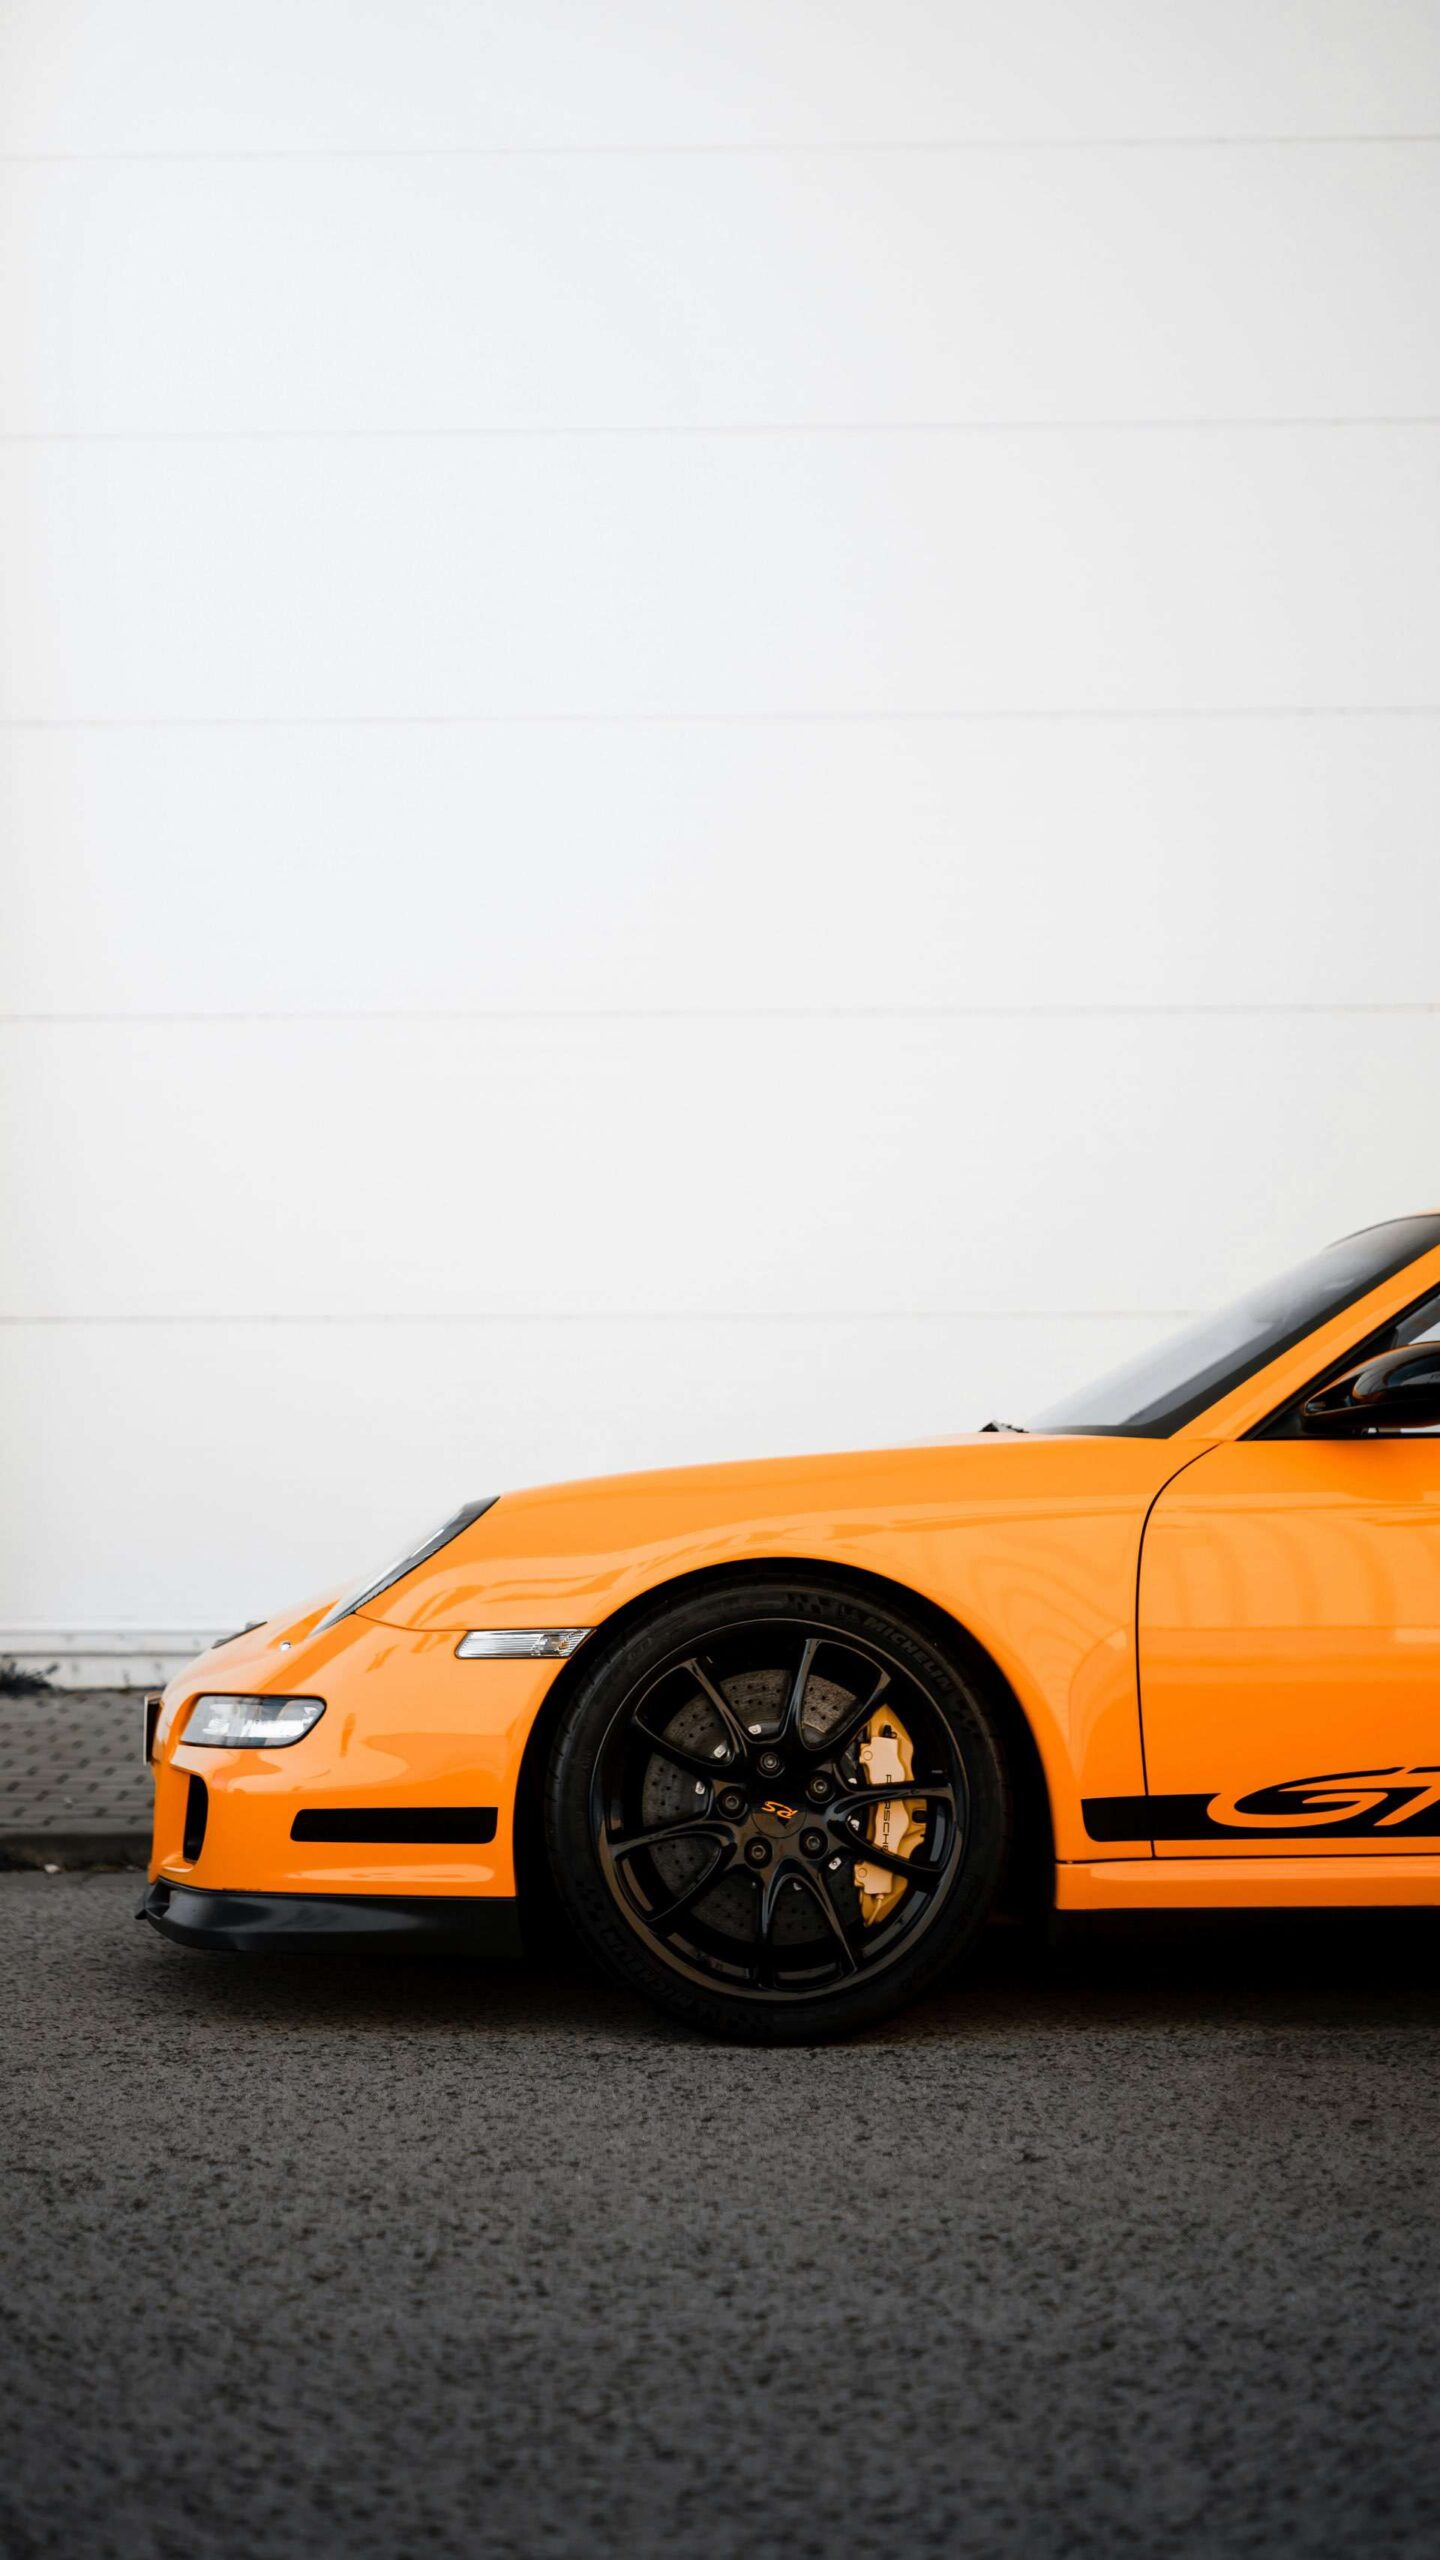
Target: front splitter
x,y
248,1923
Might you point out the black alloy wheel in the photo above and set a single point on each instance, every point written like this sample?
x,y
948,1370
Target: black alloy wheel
x,y
778,1811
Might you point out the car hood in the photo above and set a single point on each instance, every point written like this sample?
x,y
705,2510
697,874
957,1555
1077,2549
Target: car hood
x,y
570,1554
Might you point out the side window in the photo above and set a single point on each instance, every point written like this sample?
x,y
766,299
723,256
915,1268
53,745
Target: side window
x,y
1420,1324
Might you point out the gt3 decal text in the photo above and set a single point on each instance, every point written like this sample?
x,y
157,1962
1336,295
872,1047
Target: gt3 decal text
x,y
1339,1804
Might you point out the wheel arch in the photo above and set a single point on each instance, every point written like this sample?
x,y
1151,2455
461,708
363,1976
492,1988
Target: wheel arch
x,y
1029,1885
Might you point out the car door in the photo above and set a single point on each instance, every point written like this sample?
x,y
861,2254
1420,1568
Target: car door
x,y
1289,1649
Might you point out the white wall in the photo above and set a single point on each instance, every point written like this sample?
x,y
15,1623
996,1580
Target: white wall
x,y
720,733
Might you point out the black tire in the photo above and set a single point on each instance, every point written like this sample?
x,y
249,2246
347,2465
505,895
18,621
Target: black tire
x,y
735,1896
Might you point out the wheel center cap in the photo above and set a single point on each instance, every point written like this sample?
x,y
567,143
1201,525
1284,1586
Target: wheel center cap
x,y
776,1816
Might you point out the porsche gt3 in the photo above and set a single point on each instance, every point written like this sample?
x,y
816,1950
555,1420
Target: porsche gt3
x,y
781,1737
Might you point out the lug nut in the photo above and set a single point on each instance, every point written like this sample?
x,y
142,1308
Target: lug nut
x,y
731,1801
771,1763
819,1790
813,1843
758,1852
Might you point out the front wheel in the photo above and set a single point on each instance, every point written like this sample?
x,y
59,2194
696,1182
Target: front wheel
x,y
776,1810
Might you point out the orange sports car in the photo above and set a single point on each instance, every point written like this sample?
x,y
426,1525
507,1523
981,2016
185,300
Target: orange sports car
x,y
780,1735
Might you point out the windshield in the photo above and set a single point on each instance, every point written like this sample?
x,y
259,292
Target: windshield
x,y
1165,1388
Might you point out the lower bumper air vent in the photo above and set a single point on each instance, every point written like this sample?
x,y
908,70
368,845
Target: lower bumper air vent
x,y
197,1807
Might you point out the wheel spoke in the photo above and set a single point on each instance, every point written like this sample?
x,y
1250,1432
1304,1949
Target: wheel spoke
x,y
709,1686
662,1834
817,1886
795,1703
696,1764
770,1889
671,1913
854,1721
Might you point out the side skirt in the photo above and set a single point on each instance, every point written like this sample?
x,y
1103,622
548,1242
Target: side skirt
x,y
245,1923
1245,1884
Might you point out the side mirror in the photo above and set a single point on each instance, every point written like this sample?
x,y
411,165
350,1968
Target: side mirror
x,y
1399,1391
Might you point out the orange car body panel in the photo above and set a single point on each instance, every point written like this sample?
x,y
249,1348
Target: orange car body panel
x,y
1274,1580
1290,1631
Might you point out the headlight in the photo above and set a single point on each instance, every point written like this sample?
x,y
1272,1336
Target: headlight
x,y
427,1548
251,1724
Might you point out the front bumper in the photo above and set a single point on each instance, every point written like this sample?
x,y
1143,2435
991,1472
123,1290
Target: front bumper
x,y
244,1923
404,1790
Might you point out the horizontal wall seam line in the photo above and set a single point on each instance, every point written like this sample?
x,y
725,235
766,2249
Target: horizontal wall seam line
x,y
743,429
218,1018
87,1633
728,719
648,1315
933,146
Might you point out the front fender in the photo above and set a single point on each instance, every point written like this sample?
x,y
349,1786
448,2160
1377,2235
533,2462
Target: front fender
x,y
1030,1545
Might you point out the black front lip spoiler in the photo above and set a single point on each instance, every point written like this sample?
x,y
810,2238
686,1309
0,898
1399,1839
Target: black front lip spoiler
x,y
247,1923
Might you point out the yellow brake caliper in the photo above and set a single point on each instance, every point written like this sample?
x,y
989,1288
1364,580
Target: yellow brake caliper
x,y
887,1757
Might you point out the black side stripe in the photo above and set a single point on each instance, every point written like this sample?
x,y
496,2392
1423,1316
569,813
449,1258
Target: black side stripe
x,y
408,1826
1190,1818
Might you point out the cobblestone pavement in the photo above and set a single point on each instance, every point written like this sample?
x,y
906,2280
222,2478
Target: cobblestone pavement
x,y
74,1789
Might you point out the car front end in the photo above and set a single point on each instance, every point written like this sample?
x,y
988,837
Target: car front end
x,y
330,1774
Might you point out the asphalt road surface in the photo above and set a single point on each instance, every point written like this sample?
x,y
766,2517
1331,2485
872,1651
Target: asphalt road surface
x,y
1126,2246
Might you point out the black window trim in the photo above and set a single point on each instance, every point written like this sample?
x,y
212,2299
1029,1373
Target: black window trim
x,y
351,1603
